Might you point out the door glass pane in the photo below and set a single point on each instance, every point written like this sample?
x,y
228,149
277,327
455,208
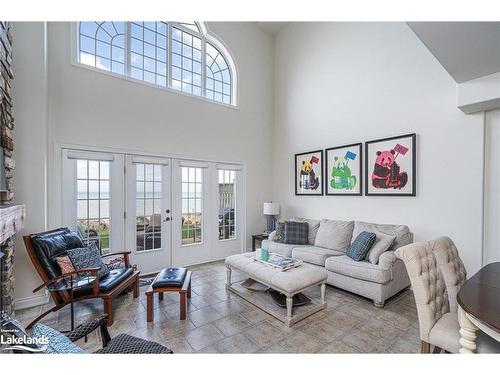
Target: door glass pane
x,y
227,192
93,195
192,205
148,206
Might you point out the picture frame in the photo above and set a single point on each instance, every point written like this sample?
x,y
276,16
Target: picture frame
x,y
344,170
391,166
308,173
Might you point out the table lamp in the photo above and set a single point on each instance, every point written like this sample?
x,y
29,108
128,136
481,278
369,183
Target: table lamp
x,y
271,209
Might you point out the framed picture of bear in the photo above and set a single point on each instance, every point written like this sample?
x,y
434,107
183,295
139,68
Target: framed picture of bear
x,y
309,173
390,166
343,174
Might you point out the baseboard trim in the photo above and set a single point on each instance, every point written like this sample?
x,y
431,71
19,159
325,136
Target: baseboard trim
x,y
32,301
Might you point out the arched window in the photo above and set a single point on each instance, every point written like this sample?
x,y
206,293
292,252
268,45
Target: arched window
x,y
177,55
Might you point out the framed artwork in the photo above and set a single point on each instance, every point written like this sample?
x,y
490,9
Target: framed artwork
x,y
309,173
343,172
390,166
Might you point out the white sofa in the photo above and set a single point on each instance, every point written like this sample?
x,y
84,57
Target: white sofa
x,y
377,282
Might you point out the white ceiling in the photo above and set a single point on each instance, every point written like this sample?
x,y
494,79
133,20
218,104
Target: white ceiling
x,y
467,50
272,28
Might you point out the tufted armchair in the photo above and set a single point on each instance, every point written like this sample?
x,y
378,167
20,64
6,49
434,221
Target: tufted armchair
x,y
451,267
438,326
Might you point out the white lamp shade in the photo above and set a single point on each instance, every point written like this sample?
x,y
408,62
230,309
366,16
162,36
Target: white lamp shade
x,y
271,208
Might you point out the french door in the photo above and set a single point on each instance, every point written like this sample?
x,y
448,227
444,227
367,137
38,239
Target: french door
x,y
148,212
166,211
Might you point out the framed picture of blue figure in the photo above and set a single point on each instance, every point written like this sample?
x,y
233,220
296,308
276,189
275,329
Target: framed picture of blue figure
x,y
343,170
309,173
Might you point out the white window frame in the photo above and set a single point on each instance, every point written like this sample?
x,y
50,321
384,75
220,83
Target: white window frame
x,y
204,34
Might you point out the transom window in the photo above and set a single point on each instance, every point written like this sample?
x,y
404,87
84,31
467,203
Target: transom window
x,y
175,55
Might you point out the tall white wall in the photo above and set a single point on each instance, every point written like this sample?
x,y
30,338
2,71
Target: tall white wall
x,y
30,147
492,188
340,83
91,108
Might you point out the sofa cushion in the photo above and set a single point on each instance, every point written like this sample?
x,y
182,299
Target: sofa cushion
x,y
402,232
279,248
359,270
314,254
383,242
361,246
313,227
334,234
296,233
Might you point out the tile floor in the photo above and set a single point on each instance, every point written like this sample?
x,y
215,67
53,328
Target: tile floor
x,y
221,322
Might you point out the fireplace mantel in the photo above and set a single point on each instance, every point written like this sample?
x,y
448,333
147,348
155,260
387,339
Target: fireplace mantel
x,y
11,220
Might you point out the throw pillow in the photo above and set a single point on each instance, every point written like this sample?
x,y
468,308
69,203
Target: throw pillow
x,y
361,245
334,234
296,233
280,232
313,227
65,264
58,343
382,243
88,257
402,232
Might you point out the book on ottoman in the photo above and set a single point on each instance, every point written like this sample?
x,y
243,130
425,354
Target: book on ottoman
x,y
170,277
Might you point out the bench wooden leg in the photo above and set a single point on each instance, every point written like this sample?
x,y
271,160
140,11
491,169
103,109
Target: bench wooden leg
x,y
189,290
108,309
149,307
182,296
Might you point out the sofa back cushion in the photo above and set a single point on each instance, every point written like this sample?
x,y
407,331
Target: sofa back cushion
x,y
52,245
402,232
313,227
383,242
334,234
296,233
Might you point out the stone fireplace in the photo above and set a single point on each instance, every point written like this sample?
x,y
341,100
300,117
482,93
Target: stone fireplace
x,y
11,216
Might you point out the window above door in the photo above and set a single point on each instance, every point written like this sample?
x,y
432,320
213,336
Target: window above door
x,y
182,57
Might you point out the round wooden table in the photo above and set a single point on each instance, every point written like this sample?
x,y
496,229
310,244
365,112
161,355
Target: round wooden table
x,y
479,306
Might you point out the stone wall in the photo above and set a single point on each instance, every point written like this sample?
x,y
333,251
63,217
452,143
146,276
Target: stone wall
x,y
7,145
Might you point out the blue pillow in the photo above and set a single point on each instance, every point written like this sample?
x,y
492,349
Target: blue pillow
x,y
88,257
361,246
57,342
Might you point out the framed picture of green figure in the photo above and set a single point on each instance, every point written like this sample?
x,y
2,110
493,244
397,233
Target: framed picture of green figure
x,y
343,174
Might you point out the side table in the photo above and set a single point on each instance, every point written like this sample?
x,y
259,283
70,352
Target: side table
x,y
258,237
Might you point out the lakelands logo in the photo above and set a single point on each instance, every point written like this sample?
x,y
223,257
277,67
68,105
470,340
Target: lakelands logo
x,y
28,344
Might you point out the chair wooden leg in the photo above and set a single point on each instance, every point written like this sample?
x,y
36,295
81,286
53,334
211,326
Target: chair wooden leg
x,y
108,309
425,348
135,288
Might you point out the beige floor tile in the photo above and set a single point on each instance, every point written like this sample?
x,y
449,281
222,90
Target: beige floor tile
x,y
323,331
236,344
338,347
233,324
301,343
203,316
204,336
365,342
265,334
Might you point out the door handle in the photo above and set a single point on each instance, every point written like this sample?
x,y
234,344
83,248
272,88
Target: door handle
x,y
167,218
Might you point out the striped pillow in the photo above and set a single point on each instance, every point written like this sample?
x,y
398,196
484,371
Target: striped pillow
x,y
361,246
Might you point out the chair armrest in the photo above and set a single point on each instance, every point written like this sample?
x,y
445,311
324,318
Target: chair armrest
x,y
89,327
93,271
387,259
272,236
125,255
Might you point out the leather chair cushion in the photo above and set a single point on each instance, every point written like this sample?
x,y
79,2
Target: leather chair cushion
x,y
52,245
170,277
108,283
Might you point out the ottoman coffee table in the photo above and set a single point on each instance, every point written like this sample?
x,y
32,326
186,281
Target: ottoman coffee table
x,y
289,283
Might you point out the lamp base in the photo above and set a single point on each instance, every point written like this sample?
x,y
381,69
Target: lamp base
x,y
271,223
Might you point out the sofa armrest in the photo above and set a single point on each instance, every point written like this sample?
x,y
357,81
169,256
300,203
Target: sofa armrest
x,y
272,236
387,259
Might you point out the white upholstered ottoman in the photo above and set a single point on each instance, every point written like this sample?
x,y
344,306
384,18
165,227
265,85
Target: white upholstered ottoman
x,y
288,282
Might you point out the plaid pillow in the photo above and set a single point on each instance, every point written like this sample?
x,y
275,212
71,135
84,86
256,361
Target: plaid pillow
x,y
361,246
280,232
296,233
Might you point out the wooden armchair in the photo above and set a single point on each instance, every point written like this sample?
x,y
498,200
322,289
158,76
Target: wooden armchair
x,y
44,247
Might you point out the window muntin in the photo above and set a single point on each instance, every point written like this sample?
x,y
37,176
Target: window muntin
x,y
227,199
175,55
218,76
93,198
192,205
148,205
